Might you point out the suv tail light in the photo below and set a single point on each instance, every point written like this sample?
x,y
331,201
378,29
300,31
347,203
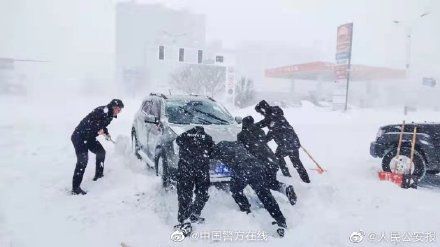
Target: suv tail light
x,y
380,133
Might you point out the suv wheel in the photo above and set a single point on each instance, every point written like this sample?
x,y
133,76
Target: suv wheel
x,y
135,144
161,167
418,169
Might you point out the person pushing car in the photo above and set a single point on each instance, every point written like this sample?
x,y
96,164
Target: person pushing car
x,y
283,134
254,139
248,170
195,147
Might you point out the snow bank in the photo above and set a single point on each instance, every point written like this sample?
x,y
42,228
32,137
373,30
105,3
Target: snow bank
x,y
129,205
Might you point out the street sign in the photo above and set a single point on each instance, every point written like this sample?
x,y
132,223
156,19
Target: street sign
x,y
341,71
344,38
342,56
343,62
429,81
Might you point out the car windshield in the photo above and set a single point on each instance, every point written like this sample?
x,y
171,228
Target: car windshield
x,y
196,112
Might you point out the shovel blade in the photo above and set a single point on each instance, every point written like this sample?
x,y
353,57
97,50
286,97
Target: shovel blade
x,y
319,170
391,176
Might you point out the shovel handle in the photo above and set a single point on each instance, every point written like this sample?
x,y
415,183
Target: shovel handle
x,y
399,145
314,161
413,147
400,138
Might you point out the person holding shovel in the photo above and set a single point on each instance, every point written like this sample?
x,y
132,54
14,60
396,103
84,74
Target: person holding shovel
x,y
84,139
284,136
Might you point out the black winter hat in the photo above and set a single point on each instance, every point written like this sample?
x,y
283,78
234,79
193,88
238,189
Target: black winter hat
x,y
199,129
247,122
262,105
116,102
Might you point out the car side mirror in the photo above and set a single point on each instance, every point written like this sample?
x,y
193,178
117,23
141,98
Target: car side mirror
x,y
239,120
151,119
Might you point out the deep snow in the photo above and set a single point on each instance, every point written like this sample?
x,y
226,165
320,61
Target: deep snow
x,y
129,205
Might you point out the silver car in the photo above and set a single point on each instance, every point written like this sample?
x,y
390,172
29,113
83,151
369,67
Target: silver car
x,y
159,121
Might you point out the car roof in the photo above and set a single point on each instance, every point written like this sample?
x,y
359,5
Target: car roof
x,y
180,97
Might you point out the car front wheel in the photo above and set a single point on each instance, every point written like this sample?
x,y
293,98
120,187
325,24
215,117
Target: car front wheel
x,y
161,167
135,144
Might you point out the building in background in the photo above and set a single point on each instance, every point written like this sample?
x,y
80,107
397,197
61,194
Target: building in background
x,y
153,42
141,29
18,76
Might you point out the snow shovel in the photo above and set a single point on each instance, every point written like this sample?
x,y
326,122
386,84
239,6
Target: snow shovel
x,y
319,169
409,180
393,176
402,180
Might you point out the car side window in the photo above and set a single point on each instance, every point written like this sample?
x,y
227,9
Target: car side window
x,y
155,109
147,107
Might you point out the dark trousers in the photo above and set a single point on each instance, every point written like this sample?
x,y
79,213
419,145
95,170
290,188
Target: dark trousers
x,y
189,183
260,187
293,155
82,148
272,163
273,183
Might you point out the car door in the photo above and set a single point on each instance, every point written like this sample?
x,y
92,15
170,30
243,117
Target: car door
x,y
143,125
155,131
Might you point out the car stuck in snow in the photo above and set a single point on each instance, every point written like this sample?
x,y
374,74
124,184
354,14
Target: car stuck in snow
x,y
160,119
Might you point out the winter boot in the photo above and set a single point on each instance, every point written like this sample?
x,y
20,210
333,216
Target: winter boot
x,y
281,228
184,227
196,219
247,210
98,176
303,174
78,191
290,193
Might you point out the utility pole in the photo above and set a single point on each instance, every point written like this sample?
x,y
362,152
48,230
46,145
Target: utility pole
x,y
408,38
348,71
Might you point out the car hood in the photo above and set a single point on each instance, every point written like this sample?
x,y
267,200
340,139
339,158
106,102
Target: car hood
x,y
217,132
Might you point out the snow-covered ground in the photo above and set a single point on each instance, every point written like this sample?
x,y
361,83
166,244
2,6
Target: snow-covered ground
x,y
129,205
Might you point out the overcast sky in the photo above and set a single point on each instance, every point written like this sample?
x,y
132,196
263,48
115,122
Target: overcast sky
x,y
312,23
82,31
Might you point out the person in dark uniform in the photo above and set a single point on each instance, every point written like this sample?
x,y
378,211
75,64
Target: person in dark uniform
x,y
195,147
283,134
248,170
84,139
254,139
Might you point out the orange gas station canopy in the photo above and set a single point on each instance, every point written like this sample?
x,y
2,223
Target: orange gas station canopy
x,y
325,71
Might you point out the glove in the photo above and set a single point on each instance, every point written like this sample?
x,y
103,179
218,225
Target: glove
x,y
108,137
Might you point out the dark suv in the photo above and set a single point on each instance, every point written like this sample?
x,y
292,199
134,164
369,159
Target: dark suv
x,y
160,119
427,149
